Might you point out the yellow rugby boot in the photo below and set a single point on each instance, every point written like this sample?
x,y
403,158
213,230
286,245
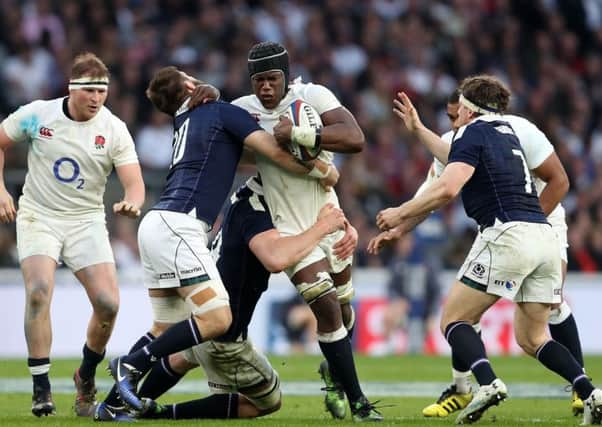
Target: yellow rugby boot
x,y
449,402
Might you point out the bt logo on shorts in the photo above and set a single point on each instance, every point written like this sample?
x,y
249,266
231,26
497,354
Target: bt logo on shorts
x,y
508,284
46,132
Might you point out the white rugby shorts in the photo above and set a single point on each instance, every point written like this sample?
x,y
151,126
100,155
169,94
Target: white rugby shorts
x,y
237,367
78,243
173,251
560,228
324,249
515,260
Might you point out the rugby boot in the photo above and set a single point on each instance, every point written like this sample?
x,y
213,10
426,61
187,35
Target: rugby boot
x,y
335,396
484,398
108,413
449,402
576,404
126,379
41,402
592,408
85,401
363,411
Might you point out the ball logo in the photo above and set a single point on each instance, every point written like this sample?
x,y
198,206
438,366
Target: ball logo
x,y
46,132
478,270
99,142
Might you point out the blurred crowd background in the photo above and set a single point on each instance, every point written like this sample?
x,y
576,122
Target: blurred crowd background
x,y
548,51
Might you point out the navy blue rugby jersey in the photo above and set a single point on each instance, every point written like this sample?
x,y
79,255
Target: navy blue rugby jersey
x,y
207,146
243,275
501,186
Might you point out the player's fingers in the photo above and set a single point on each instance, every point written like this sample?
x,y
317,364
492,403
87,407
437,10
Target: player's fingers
x,y
11,213
406,100
373,246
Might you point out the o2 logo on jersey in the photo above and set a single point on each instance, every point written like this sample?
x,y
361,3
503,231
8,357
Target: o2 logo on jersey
x,y
66,170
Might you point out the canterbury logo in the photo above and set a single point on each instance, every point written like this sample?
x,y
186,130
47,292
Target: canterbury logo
x,y
46,132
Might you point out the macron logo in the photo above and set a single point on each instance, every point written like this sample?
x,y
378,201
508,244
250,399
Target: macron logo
x,y
46,132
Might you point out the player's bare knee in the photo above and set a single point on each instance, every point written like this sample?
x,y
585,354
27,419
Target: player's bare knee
x,y
214,323
38,295
530,341
106,307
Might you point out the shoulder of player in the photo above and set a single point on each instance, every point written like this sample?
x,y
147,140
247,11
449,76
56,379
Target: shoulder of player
x,y
43,105
244,101
305,90
111,120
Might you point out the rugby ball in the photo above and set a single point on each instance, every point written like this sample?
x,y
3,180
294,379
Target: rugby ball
x,y
304,115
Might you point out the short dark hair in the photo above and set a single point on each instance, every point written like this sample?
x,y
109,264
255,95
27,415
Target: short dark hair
x,y
166,90
486,91
454,97
88,64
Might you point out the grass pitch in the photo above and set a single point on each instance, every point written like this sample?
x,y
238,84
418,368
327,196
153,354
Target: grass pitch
x,y
309,410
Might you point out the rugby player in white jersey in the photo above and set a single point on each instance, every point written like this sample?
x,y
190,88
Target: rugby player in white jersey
x,y
548,174
190,303
294,201
75,142
485,162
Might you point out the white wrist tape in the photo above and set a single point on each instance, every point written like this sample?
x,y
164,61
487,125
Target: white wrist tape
x,y
317,173
305,136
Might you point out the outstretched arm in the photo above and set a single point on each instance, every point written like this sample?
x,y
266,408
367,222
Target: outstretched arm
x,y
440,193
405,110
277,253
265,144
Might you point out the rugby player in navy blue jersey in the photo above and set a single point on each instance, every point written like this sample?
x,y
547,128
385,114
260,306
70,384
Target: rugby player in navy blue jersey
x,y
515,255
186,291
249,249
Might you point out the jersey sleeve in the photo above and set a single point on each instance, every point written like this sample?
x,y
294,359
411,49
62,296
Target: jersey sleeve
x,y
535,144
124,150
238,121
256,218
466,147
438,166
23,124
321,98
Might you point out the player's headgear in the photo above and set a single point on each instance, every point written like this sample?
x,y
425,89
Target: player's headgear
x,y
484,94
268,56
88,72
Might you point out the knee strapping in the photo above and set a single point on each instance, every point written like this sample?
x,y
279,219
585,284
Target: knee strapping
x,y
345,292
337,335
205,298
266,396
311,292
169,309
560,314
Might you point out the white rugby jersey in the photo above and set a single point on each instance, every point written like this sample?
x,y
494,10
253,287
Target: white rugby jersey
x,y
294,200
535,144
68,161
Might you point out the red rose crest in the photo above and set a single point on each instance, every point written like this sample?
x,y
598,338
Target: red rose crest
x,y
99,142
